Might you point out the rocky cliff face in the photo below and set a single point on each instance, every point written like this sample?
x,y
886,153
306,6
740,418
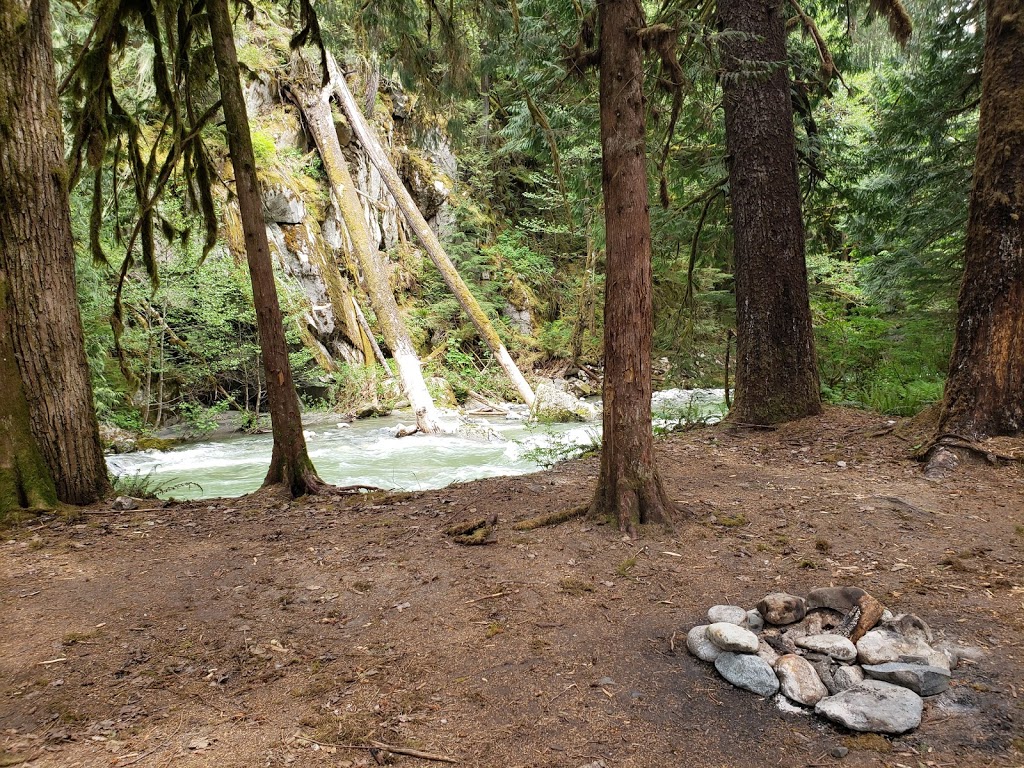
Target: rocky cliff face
x,y
306,233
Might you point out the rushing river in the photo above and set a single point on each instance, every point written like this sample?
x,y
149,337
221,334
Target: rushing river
x,y
367,452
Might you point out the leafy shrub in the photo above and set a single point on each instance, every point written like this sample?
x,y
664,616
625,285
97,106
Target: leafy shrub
x,y
264,148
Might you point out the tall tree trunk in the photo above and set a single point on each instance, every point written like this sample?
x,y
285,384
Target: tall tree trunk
x,y
985,388
629,487
776,367
290,464
450,275
25,480
38,258
315,105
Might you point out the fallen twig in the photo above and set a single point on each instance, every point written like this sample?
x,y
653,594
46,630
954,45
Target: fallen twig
x,y
559,694
373,745
413,753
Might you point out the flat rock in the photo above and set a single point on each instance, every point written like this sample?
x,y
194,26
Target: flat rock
x,y
880,646
729,614
729,637
782,608
698,644
836,646
798,680
874,707
922,679
749,672
841,599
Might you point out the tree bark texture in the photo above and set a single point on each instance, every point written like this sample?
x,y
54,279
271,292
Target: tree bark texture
x,y
316,110
985,389
25,480
290,464
629,487
436,253
37,258
776,366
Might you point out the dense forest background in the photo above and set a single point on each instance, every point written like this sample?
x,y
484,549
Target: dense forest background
x,y
498,140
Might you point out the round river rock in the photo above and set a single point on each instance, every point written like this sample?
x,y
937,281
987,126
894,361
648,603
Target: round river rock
x,y
799,681
730,614
698,644
749,672
729,637
782,608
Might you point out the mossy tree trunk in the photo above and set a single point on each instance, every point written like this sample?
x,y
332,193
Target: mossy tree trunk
x,y
776,367
316,110
629,487
985,389
37,259
290,464
432,246
25,480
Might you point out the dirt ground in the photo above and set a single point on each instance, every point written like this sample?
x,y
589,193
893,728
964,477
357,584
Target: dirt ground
x,y
262,632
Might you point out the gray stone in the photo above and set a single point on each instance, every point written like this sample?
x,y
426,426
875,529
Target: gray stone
x,y
282,205
782,608
839,752
521,319
875,707
841,599
730,614
729,637
766,652
698,644
882,645
749,672
124,503
910,626
837,647
799,681
755,621
922,679
847,677
826,668
555,404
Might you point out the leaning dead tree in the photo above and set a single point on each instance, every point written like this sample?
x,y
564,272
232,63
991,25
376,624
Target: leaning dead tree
x,y
432,246
316,111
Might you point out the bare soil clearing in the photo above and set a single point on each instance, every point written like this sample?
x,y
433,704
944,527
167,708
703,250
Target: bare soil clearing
x,y
255,631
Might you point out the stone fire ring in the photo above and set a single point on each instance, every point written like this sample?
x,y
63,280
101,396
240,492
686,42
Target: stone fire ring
x,y
838,650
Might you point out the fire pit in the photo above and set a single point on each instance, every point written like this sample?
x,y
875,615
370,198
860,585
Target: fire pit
x,y
837,649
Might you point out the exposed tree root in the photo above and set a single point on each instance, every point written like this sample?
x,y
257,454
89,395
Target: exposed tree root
x,y
474,532
944,453
986,450
552,518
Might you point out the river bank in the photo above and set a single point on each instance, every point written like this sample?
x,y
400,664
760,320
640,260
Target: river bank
x,y
264,631
376,451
